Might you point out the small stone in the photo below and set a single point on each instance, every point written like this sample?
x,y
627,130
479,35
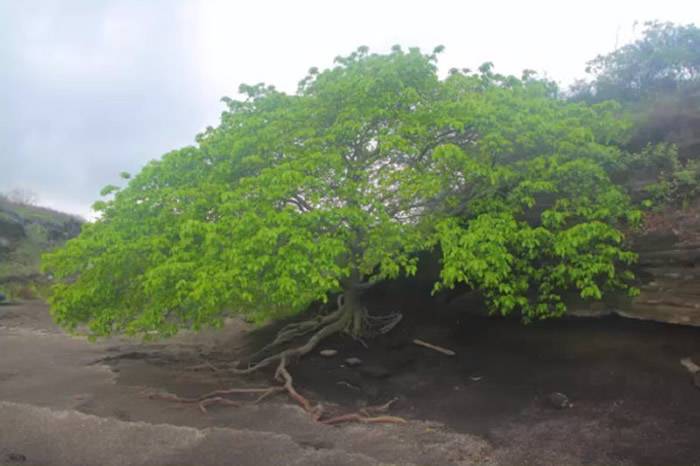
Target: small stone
x,y
328,353
16,458
558,400
353,362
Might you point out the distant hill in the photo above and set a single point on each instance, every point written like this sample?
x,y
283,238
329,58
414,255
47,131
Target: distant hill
x,y
27,231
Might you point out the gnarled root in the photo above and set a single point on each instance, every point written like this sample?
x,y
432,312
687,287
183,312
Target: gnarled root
x,y
336,322
347,318
350,319
218,396
368,415
299,329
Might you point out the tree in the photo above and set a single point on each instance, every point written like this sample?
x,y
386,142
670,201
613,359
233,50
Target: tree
x,y
666,58
297,198
657,80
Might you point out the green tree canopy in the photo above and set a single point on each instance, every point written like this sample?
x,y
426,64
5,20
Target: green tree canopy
x,y
295,198
666,58
656,79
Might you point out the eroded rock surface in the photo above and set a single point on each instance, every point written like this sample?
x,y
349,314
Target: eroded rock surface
x,y
668,270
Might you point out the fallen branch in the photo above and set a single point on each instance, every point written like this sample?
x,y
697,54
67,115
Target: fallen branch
x,y
439,349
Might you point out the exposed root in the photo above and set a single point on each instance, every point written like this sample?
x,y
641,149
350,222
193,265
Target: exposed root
x,y
356,322
351,319
336,324
283,375
205,365
299,329
368,415
216,400
217,397
379,325
356,417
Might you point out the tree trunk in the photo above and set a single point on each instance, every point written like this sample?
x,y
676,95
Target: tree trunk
x,y
352,304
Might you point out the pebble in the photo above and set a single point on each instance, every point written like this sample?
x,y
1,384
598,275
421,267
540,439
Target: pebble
x,y
559,400
328,353
352,362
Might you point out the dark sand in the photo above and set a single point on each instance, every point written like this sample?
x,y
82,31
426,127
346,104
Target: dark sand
x,y
64,400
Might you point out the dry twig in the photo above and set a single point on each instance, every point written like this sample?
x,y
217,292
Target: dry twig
x,y
439,349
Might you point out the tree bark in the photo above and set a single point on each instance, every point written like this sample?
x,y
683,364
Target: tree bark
x,y
352,304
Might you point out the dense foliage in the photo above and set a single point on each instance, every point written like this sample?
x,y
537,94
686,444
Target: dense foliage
x,y
656,79
666,58
293,198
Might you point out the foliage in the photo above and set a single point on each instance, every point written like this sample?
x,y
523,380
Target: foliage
x,y
665,59
662,178
295,197
537,208
657,80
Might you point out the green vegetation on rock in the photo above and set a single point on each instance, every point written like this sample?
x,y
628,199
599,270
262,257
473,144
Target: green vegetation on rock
x,y
26,232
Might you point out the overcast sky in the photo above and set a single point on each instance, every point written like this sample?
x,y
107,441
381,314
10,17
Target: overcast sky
x,y
92,88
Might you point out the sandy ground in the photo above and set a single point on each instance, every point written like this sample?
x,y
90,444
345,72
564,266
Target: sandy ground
x,y
62,404
66,401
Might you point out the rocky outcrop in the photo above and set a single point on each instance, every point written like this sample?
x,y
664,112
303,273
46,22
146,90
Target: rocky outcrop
x,y
669,268
26,232
668,272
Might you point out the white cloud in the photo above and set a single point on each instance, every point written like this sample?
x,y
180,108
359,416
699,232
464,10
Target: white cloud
x,y
97,87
